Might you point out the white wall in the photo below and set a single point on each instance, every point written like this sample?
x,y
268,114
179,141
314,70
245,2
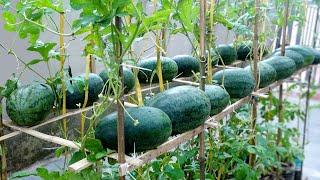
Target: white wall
x,y
177,44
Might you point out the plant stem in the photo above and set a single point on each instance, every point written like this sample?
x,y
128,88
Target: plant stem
x,y
158,45
86,94
9,51
48,29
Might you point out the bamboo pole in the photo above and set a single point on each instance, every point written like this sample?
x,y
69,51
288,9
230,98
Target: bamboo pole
x,y
256,77
202,83
63,83
211,41
283,44
120,100
309,72
4,174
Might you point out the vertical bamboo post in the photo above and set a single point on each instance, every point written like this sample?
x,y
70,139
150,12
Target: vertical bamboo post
x,y
202,83
283,44
211,41
63,84
256,77
120,100
4,174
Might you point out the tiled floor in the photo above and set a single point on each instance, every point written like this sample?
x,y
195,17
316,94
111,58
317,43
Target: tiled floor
x,y
311,164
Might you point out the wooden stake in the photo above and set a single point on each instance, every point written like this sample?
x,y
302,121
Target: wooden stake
x,y
202,83
309,72
4,174
283,45
211,42
120,101
63,84
256,77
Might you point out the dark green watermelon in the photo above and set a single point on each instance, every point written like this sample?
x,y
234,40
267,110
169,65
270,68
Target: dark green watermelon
x,y
297,57
76,92
30,104
316,54
219,98
187,65
188,107
238,82
129,80
227,53
267,74
245,51
149,128
304,51
284,66
169,69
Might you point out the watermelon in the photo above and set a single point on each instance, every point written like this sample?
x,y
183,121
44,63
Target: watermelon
x,y
76,92
245,51
297,57
305,52
219,98
187,65
187,106
267,74
227,53
30,104
316,54
145,128
169,69
238,82
129,80
284,66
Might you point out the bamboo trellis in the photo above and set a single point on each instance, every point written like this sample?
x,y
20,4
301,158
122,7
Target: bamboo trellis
x,y
132,163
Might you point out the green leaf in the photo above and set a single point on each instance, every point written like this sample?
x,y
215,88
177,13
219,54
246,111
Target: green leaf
x,y
173,171
34,61
43,49
10,20
93,145
10,86
77,156
58,152
46,175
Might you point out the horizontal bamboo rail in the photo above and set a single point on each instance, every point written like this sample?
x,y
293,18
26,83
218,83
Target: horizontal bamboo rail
x,y
176,141
131,162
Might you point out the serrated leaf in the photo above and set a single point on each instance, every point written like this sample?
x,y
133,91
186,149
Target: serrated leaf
x,y
10,86
93,145
43,49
